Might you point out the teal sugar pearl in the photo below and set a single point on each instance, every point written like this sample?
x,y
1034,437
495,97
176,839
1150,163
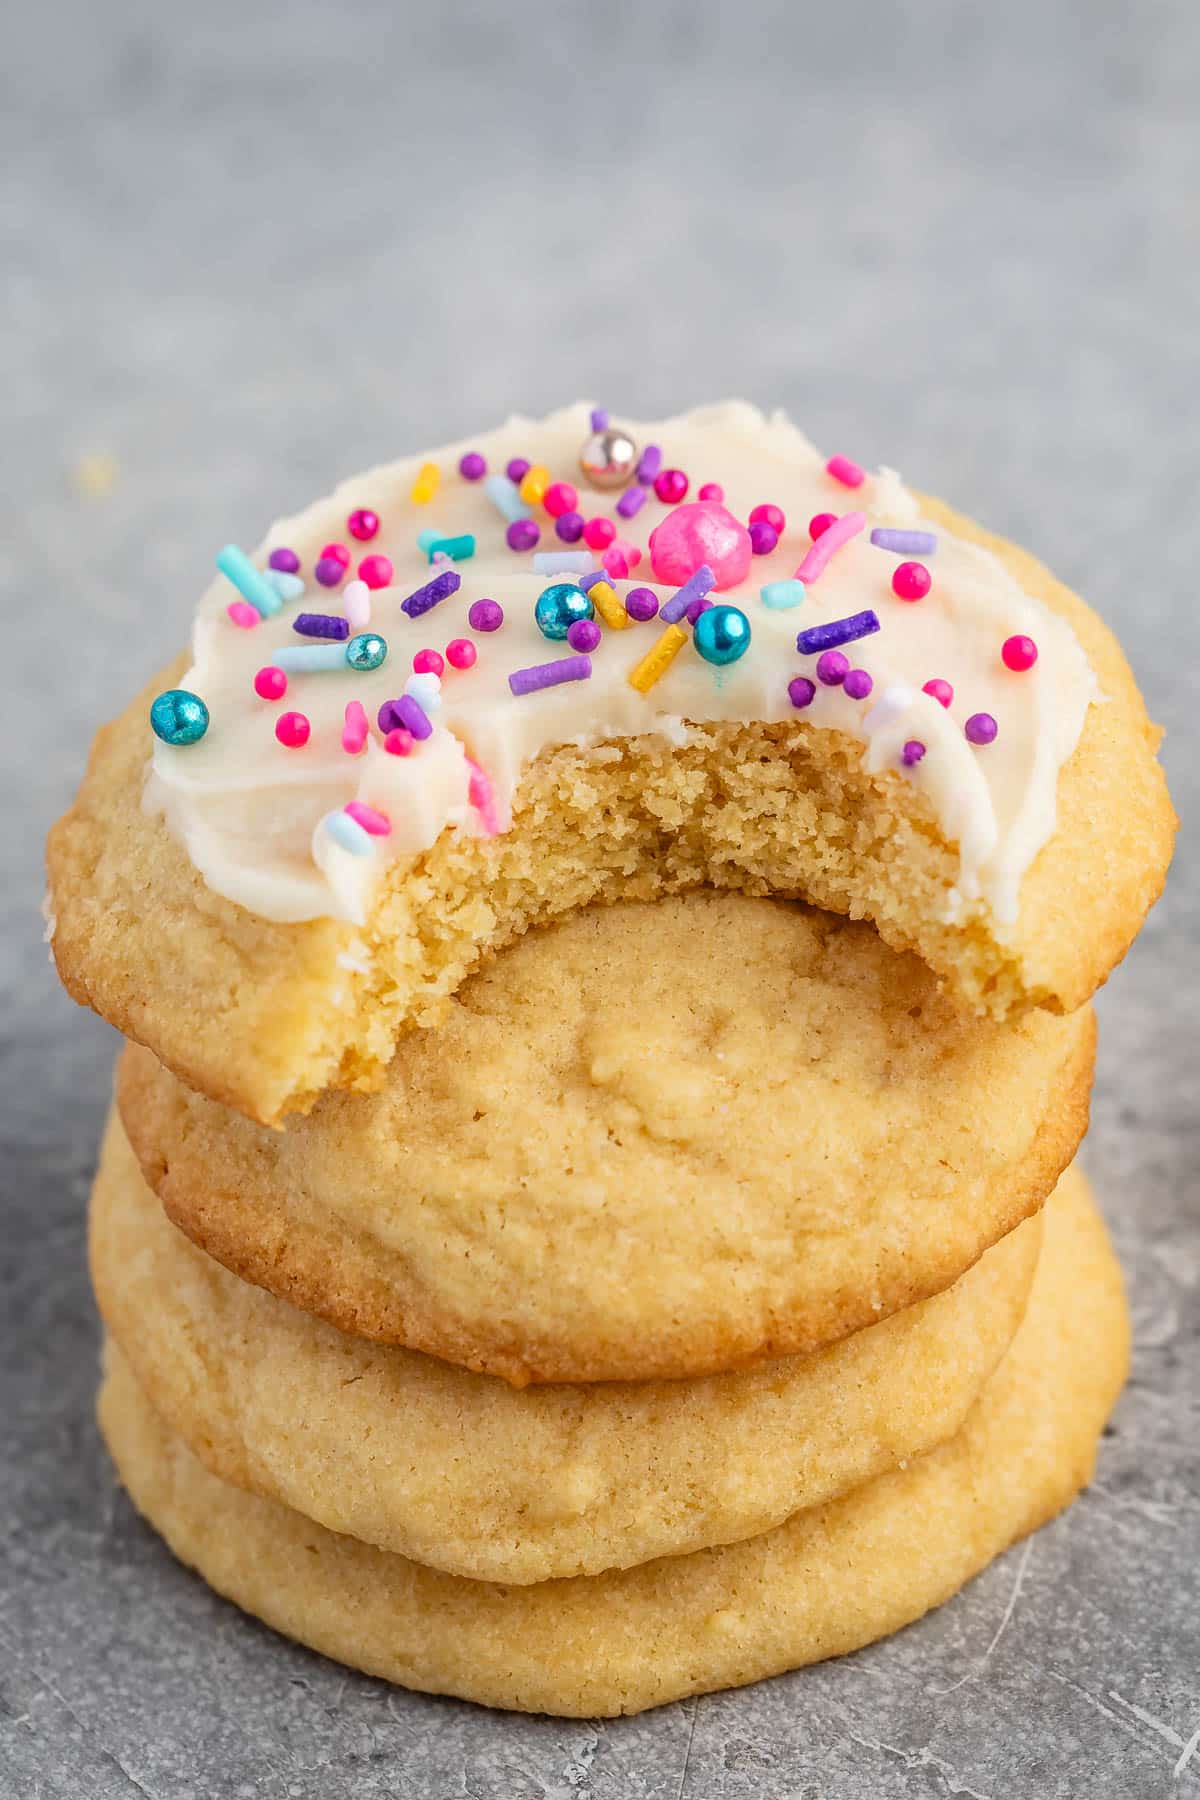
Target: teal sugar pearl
x,y
366,651
561,606
722,634
178,717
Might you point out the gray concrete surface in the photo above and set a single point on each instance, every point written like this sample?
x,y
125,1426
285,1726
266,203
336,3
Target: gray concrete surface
x,y
248,248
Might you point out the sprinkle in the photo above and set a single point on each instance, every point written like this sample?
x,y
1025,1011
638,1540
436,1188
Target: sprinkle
x,y
250,583
819,524
461,653
376,823
588,582
629,553
533,484
292,729
562,562
285,560
551,674
426,689
697,607
270,683
376,571
243,614
832,668
409,712
559,498
363,524
616,563
980,728
337,553
517,468
569,527
321,625
836,632
649,463
485,615
904,543
911,581
830,541
426,485
912,752
607,603
288,587
482,798
640,604
179,717
1018,654
427,597
658,658
599,533
845,471
427,538
599,419
472,466
522,534
458,549
712,490
356,598
941,690
781,596
583,635
329,571
311,659
367,651
398,741
671,486
767,514
347,832
891,705
354,728
631,501
504,496
801,691
428,662
763,537
858,683
694,588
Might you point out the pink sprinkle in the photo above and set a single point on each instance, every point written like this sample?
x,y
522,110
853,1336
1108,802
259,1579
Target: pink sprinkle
x,y
819,524
292,729
845,471
354,731
941,690
363,524
911,581
559,498
461,653
377,823
337,553
399,741
712,490
482,798
615,562
270,683
770,515
598,534
428,662
1019,654
243,614
671,486
376,571
829,542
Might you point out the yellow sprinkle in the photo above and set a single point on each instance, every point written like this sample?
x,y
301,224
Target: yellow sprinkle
x,y
429,478
607,603
533,486
658,660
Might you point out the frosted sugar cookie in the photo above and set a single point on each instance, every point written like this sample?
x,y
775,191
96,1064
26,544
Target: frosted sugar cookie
x,y
405,733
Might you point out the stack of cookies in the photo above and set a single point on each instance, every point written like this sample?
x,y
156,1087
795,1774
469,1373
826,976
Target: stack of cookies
x,y
589,1213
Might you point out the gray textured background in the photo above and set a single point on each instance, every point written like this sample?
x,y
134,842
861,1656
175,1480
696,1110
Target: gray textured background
x,y
248,248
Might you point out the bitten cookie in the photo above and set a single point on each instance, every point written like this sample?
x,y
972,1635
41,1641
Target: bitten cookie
x,y
652,1140
816,683
463,1473
828,1581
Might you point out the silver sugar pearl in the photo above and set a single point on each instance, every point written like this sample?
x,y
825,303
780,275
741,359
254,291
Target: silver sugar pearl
x,y
609,458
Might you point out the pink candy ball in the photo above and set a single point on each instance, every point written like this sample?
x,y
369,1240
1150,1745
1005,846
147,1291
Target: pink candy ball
x,y
270,683
292,729
1019,654
770,515
911,581
941,690
362,524
671,486
598,534
399,742
427,662
376,571
560,497
702,532
337,553
712,490
819,524
461,653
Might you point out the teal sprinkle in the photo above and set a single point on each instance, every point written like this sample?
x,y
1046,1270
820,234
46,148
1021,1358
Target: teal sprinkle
x,y
348,833
781,596
250,582
288,587
458,549
428,538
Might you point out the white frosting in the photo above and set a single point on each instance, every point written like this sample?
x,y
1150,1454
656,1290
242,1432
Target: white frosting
x,y
249,810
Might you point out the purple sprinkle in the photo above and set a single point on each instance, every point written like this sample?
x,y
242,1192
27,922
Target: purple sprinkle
x,y
412,715
427,597
832,668
599,419
912,752
329,571
518,469
522,534
858,684
696,608
649,463
485,615
904,543
801,691
569,527
387,718
472,466
551,674
583,635
641,604
763,537
285,560
981,728
838,631
694,588
631,502
321,625
587,582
